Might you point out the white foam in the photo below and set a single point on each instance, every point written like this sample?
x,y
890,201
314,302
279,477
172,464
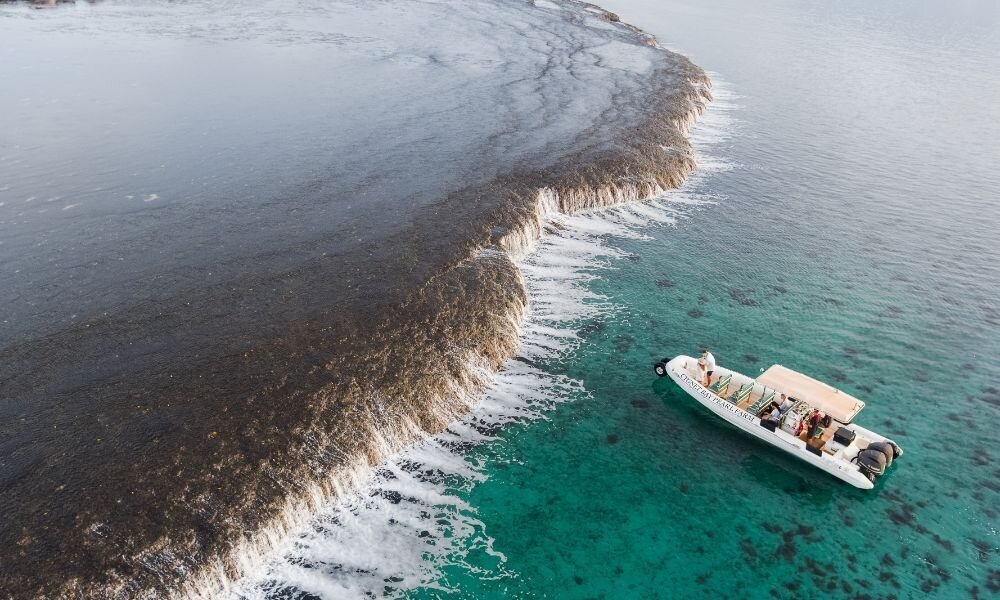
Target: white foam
x,y
408,521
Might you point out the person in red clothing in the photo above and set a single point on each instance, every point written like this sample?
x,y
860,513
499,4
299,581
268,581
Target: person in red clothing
x,y
818,421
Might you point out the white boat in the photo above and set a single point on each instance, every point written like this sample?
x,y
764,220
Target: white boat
x,y
844,450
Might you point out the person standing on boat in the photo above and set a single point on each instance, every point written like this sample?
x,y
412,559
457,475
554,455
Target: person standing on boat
x,y
709,365
818,422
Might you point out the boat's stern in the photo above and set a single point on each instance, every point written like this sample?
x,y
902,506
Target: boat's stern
x,y
664,366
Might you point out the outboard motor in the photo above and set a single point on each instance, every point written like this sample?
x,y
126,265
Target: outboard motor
x,y
877,457
660,367
871,462
891,450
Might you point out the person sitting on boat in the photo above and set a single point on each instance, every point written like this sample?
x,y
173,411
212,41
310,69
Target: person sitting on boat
x,y
709,365
775,415
784,402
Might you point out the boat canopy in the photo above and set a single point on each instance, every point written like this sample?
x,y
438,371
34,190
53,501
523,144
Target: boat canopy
x,y
839,405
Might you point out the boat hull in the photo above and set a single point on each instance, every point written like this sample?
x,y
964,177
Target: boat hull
x,y
749,423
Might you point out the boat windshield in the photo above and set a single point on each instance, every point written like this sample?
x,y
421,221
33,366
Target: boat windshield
x,y
839,405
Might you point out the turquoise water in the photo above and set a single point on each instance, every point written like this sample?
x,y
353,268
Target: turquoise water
x,y
854,239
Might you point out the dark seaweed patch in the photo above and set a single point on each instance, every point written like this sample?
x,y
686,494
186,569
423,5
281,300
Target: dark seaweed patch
x,y
818,569
940,541
612,438
833,301
993,580
591,328
983,549
665,283
771,527
742,297
750,358
786,550
779,288
695,313
623,343
937,570
639,403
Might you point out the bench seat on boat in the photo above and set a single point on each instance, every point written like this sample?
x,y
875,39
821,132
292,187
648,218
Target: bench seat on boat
x,y
742,394
721,386
766,398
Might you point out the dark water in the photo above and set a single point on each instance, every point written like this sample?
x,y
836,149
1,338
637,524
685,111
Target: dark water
x,y
240,244
127,171
845,224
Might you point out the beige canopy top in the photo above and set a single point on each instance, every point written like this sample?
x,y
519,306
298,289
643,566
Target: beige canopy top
x,y
837,404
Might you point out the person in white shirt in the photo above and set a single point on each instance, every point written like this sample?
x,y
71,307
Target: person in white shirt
x,y
709,365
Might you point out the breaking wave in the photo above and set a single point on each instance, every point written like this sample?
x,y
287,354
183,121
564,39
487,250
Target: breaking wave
x,y
407,520
319,373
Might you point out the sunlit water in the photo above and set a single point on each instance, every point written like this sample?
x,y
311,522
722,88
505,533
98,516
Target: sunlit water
x,y
844,225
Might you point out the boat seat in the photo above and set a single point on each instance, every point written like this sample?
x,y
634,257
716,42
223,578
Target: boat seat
x,y
742,394
722,385
759,405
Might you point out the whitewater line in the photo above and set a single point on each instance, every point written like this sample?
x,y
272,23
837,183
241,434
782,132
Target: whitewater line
x,y
405,524
652,158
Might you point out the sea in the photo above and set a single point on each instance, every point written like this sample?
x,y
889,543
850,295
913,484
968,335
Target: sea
x,y
841,221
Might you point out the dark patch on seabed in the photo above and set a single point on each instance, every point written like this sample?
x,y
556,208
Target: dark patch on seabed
x,y
134,465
